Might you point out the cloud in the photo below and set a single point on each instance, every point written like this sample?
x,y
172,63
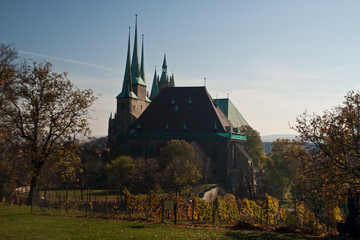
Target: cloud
x,y
70,61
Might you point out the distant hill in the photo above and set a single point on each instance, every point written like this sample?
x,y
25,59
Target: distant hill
x,y
271,138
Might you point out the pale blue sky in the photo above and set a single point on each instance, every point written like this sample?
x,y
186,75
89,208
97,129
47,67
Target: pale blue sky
x,y
274,58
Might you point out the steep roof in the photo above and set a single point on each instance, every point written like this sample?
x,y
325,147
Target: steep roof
x,y
179,109
231,112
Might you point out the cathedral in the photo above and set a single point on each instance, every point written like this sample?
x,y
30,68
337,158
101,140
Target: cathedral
x,y
144,123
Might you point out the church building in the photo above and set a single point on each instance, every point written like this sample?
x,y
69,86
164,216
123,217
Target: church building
x,y
142,125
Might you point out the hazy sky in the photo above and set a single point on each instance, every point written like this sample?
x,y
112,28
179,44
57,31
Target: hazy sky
x,y
274,58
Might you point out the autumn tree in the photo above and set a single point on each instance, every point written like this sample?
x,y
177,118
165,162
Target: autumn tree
x,y
43,112
7,76
8,71
120,172
281,167
146,175
91,167
336,135
254,146
316,185
181,166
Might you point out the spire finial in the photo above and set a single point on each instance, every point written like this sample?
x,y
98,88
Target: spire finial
x,y
142,65
204,81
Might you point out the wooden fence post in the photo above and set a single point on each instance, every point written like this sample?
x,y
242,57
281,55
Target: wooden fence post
x,y
49,199
215,206
87,202
106,202
66,199
94,205
193,209
162,210
175,211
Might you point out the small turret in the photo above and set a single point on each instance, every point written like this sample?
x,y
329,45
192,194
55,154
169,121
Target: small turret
x,y
155,87
163,78
165,81
172,81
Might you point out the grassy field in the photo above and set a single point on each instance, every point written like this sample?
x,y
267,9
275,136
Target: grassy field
x,y
17,223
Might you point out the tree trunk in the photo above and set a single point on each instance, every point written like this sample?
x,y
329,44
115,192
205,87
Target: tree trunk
x,y
32,190
352,220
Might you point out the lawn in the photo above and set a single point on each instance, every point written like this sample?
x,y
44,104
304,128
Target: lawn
x,y
17,223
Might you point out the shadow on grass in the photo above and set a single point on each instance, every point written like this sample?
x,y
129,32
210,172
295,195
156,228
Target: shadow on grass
x,y
249,235
257,235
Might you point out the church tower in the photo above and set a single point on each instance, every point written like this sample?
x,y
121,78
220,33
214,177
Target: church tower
x,y
132,100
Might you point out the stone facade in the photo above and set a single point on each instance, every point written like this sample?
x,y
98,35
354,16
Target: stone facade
x,y
140,127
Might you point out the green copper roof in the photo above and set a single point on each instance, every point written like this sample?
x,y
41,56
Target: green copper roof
x,y
164,62
172,81
127,86
228,108
184,135
155,87
142,67
135,68
129,95
138,80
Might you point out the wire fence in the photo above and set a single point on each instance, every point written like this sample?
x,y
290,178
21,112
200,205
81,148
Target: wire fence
x,y
226,211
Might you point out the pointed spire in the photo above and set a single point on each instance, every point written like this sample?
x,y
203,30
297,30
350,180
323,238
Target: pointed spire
x,y
135,66
172,81
164,66
142,68
155,86
135,71
164,77
127,84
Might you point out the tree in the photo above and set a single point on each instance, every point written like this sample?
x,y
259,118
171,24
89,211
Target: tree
x,y
336,135
91,167
120,171
182,167
44,112
254,146
316,184
146,175
281,167
7,150
8,70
